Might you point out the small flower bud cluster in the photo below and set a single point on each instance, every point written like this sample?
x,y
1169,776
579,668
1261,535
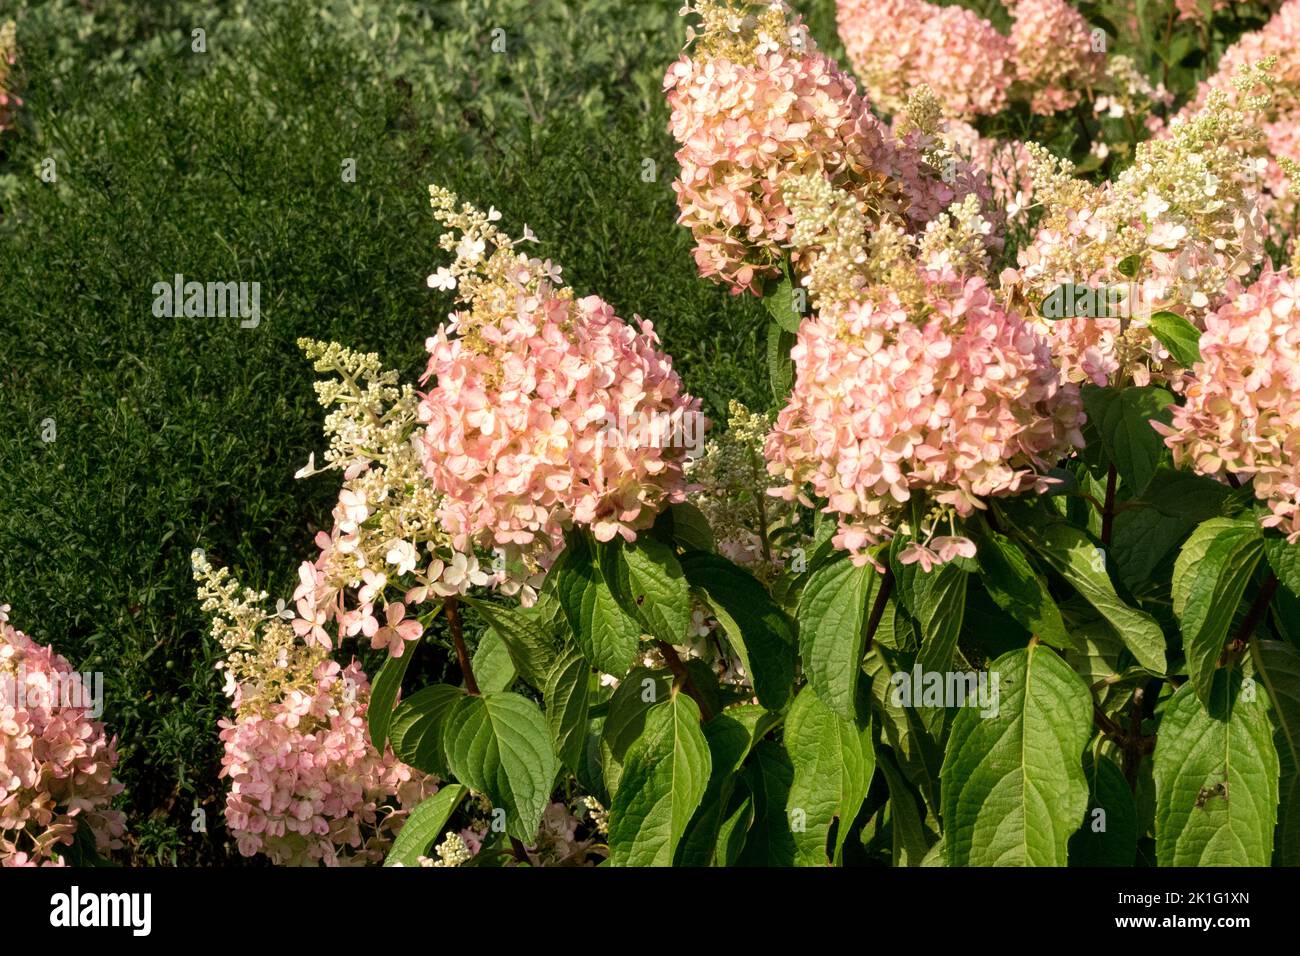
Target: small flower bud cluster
x,y
957,239
734,492
1128,93
452,851
599,815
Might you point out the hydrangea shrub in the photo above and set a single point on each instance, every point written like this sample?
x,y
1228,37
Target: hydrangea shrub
x,y
1003,579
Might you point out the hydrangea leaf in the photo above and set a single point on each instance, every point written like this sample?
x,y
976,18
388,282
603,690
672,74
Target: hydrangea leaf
x,y
604,633
832,613
383,694
759,630
417,726
664,779
1216,775
1277,667
1018,589
1212,583
568,695
1109,833
498,745
833,764
1072,554
1013,787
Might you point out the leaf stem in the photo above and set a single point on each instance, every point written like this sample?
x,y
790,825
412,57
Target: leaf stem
x,y
1131,742
1251,621
1091,499
1134,745
878,608
683,678
1108,510
458,638
519,851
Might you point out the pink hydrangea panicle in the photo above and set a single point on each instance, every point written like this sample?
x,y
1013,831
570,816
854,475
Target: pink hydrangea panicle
x,y
934,173
1242,410
8,56
953,398
546,410
1008,166
1048,60
753,103
56,764
896,45
307,786
1053,53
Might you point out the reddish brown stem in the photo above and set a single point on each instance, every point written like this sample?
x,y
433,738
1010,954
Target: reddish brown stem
x,y
1133,746
683,678
1251,621
1131,742
462,654
520,851
1107,726
878,609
